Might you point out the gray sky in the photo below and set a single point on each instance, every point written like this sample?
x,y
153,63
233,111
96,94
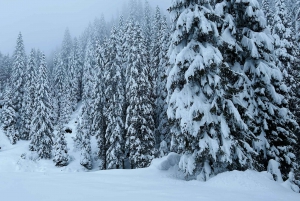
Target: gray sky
x,y
43,22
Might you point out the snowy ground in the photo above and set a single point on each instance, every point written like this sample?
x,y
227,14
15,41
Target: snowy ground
x,y
26,180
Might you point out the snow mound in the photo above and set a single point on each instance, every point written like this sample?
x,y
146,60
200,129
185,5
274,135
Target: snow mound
x,y
166,162
290,185
248,180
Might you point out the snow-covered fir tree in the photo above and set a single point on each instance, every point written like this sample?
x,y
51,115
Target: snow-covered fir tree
x,y
61,157
5,71
147,29
68,71
76,72
163,128
98,126
86,151
41,131
236,89
287,54
9,117
122,55
140,140
126,45
123,65
100,30
17,77
63,89
59,79
272,122
114,94
66,107
66,49
93,94
78,137
153,67
284,38
135,10
38,56
268,12
29,97
89,70
293,7
203,93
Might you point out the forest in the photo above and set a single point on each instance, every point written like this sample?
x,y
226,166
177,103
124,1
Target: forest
x,y
215,81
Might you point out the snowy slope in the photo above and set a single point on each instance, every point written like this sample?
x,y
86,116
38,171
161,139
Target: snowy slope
x,y
26,180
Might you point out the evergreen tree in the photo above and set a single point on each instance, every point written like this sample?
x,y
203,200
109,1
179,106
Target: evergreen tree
x,y
61,157
29,97
155,60
52,69
283,35
17,77
8,118
153,68
88,70
267,10
126,46
139,121
100,30
98,126
163,128
67,102
73,85
76,72
78,137
5,71
83,42
287,54
85,156
122,56
293,7
135,10
38,56
273,123
147,30
139,11
41,131
236,89
59,88
114,94
66,50
202,106
91,110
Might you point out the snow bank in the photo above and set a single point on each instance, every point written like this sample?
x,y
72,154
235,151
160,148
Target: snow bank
x,y
166,162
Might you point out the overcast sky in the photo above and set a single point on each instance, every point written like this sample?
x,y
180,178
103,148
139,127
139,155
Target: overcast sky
x,y
43,22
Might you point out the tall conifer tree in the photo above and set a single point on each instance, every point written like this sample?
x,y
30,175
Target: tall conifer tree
x,y
9,117
17,78
114,94
29,97
163,128
139,121
41,127
273,123
207,126
61,157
